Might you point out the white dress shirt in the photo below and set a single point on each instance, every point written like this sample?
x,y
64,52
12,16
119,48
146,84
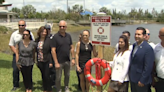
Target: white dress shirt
x,y
120,66
159,60
16,37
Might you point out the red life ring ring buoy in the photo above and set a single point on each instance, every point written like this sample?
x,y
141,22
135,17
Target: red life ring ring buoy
x,y
87,71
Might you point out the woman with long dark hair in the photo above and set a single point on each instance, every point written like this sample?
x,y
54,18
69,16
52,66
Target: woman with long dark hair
x,y
83,54
119,78
44,58
25,58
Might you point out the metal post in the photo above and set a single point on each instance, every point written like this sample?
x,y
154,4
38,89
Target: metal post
x,y
23,3
67,6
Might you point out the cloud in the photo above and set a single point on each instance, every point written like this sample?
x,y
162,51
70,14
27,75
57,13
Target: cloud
x,y
93,5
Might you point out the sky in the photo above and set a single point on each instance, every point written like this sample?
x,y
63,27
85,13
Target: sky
x,y
93,5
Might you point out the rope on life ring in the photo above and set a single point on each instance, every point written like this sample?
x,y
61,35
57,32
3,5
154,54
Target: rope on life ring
x,y
102,63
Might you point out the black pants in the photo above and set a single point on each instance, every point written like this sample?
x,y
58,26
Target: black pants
x,y
136,88
15,72
159,86
149,88
45,70
78,79
53,74
27,76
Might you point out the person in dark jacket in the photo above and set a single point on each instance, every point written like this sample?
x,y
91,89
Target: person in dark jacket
x,y
44,58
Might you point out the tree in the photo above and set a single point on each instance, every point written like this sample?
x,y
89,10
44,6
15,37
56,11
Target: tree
x,y
133,13
16,10
28,11
103,9
38,15
77,8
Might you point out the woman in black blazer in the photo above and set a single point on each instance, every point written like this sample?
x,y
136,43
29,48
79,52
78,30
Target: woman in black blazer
x,y
44,58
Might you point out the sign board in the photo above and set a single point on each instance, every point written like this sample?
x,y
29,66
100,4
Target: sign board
x,y
101,30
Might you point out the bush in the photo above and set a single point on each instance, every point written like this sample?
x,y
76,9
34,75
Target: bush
x,y
3,29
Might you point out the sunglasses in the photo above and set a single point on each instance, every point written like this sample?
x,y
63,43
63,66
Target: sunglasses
x,y
62,26
26,34
85,35
148,33
21,25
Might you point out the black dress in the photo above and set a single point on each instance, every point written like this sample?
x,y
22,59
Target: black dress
x,y
84,54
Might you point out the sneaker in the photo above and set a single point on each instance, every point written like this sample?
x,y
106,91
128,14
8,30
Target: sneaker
x,y
60,90
66,89
53,86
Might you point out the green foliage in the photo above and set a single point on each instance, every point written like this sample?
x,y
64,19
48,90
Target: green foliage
x,y
3,29
28,11
73,16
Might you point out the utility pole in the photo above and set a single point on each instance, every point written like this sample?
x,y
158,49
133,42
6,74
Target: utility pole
x,y
23,3
67,6
84,5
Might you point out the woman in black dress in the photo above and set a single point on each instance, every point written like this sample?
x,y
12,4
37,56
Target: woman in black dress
x,y
83,54
44,58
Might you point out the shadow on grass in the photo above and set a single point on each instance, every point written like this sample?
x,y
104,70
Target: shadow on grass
x,y
38,87
5,64
76,87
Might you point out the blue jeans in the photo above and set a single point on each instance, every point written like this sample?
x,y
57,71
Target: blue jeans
x,y
15,72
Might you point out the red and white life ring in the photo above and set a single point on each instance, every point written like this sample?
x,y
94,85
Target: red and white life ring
x,y
87,72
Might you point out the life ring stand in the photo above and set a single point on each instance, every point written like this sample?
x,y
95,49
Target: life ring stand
x,y
106,67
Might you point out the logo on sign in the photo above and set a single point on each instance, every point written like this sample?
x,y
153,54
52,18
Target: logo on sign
x,y
100,30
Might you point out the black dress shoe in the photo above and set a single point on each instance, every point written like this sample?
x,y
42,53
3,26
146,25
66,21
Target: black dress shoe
x,y
14,88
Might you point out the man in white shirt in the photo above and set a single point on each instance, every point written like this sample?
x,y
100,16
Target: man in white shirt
x,y
159,62
14,39
147,39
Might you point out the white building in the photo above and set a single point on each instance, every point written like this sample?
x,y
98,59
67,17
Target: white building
x,y
5,15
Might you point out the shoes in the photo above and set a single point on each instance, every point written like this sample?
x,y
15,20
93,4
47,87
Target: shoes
x,y
60,90
66,89
53,86
14,89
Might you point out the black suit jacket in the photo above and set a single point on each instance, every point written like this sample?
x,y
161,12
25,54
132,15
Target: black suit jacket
x,y
47,56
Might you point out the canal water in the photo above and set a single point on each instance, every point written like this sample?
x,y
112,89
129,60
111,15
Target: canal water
x,y
116,31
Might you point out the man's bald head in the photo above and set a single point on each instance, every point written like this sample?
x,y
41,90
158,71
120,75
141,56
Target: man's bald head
x,y
62,26
161,34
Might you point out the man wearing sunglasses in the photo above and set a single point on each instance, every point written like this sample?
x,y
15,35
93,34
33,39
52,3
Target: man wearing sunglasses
x,y
147,39
61,48
14,39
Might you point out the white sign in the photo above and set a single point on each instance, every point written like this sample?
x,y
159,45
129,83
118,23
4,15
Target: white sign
x,y
101,30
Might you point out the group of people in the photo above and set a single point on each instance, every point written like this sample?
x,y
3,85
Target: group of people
x,y
139,64
52,54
